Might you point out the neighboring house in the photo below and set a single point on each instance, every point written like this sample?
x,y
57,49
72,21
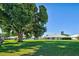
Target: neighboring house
x,y
61,36
75,37
15,37
57,37
12,37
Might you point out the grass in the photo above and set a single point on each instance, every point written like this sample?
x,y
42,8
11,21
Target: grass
x,y
40,48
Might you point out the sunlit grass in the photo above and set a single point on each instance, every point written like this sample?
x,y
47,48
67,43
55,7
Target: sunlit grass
x,y
40,48
61,46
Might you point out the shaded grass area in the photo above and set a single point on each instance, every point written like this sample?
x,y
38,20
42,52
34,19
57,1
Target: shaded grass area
x,y
40,48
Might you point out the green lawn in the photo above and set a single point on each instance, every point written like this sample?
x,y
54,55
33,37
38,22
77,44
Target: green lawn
x,y
40,48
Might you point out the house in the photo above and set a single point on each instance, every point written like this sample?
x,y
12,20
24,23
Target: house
x,y
57,37
12,37
75,37
61,36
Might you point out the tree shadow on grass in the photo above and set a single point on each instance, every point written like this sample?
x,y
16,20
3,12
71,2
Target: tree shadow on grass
x,y
15,47
58,49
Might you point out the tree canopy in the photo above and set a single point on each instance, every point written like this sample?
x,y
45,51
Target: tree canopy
x,y
20,18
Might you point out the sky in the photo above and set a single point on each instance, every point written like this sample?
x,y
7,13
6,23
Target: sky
x,y
62,17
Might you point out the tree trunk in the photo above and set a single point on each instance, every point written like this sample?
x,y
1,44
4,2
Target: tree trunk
x,y
1,41
35,38
20,37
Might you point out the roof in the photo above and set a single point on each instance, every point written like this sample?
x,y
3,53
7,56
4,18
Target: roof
x,y
12,37
76,35
56,35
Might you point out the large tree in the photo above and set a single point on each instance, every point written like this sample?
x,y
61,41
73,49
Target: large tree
x,y
23,19
19,16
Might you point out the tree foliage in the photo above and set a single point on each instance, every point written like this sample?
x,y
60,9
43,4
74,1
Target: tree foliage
x,y
22,19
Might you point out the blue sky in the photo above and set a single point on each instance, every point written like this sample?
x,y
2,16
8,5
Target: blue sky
x,y
62,17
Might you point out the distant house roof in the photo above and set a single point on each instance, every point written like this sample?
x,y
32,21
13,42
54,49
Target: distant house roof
x,y
57,35
12,37
76,35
